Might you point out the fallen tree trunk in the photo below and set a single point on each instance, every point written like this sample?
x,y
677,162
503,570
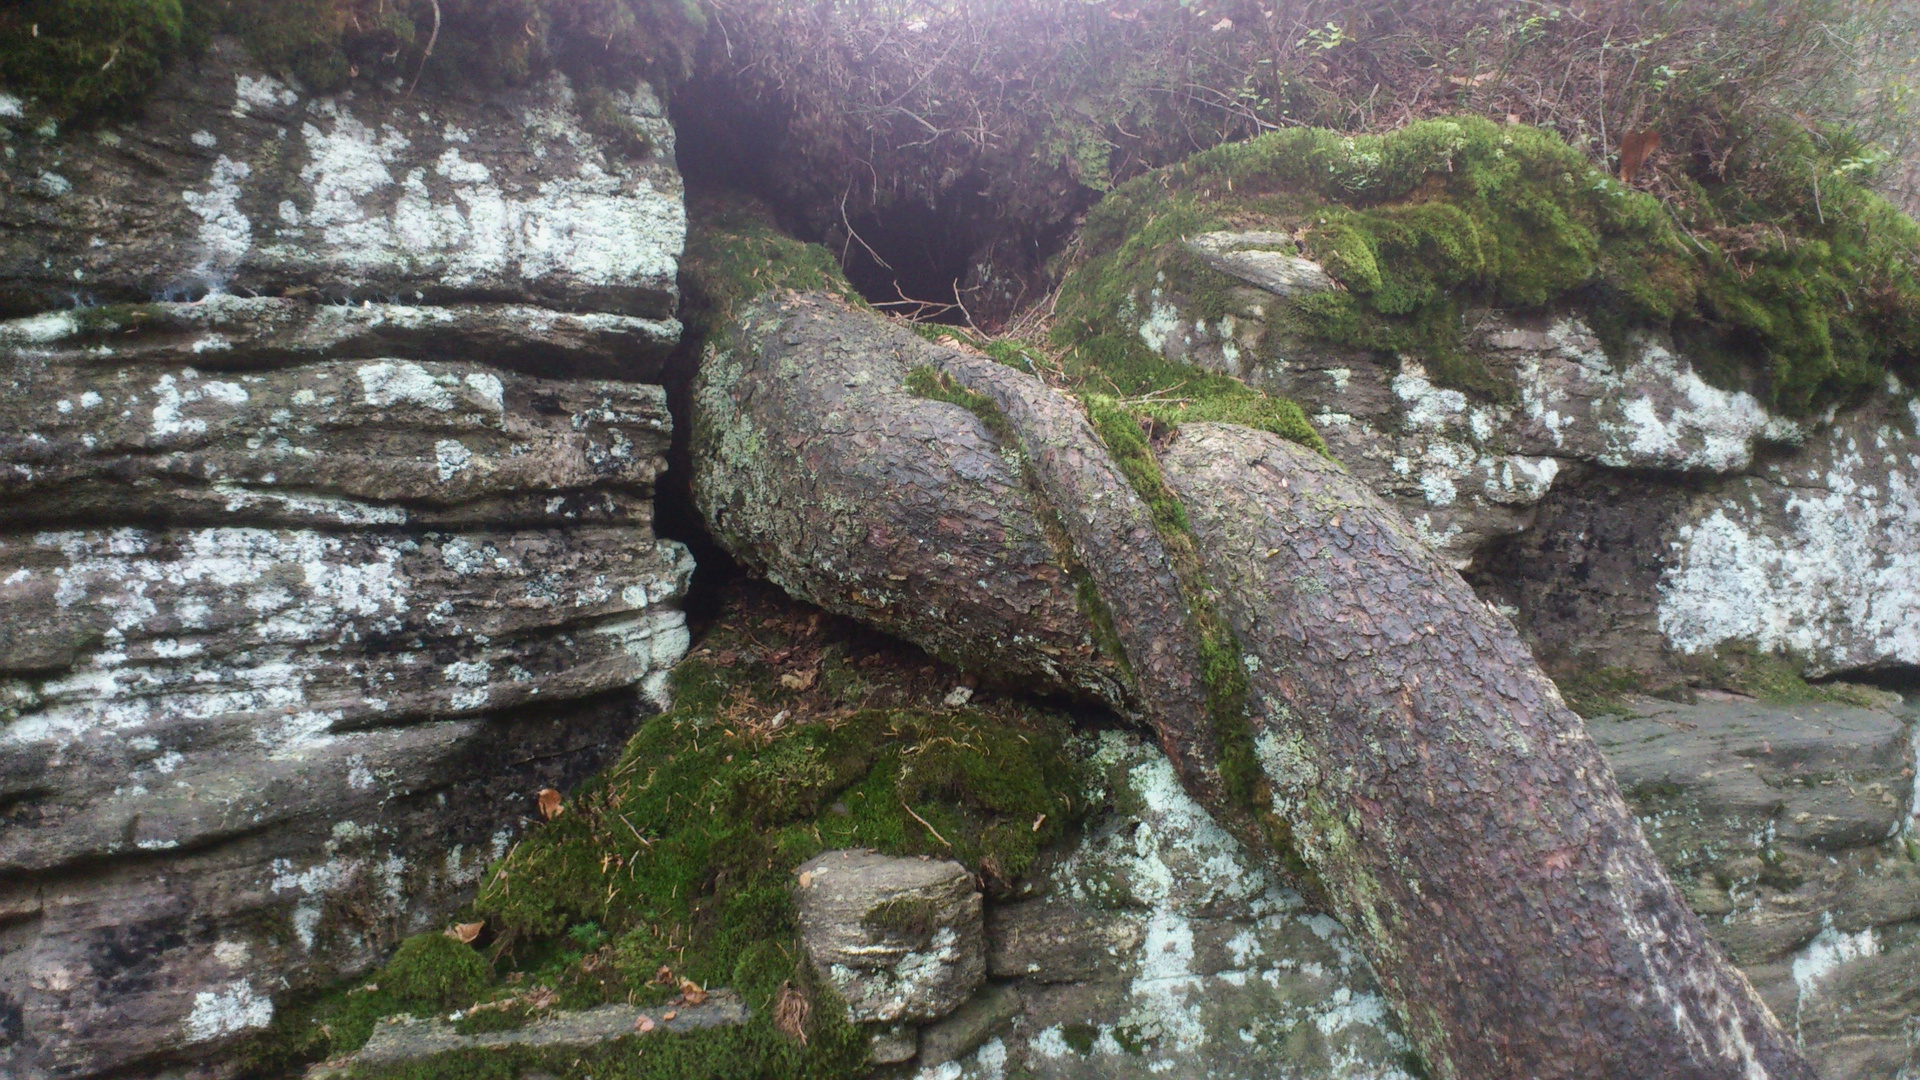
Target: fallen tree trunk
x,y
1454,812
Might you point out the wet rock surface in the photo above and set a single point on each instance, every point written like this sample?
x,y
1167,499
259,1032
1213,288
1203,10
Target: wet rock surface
x,y
306,593
898,938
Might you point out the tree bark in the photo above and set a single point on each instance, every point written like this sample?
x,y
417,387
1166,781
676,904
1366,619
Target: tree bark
x,y
1461,822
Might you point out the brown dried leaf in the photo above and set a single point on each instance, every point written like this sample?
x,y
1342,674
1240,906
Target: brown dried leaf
x,y
644,1024
664,976
800,680
550,807
790,1012
467,932
692,992
1635,146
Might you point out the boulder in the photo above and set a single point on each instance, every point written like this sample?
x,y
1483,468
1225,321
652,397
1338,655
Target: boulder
x,y
898,938
307,593
1627,510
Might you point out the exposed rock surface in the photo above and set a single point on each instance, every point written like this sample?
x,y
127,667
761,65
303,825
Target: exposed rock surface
x,y
405,1038
1789,828
899,939
302,602
1740,526
232,180
1159,947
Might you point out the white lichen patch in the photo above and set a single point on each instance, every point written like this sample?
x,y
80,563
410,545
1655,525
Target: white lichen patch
x,y
234,1009
1230,976
1820,559
226,234
380,205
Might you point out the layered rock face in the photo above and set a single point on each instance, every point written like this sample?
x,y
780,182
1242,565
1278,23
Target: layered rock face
x,y
1629,511
306,592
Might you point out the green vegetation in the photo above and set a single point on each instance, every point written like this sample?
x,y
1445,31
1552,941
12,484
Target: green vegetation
x,y
787,738
736,253
77,58
1420,224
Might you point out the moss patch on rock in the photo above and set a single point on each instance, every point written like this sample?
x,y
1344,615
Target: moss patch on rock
x,y
791,734
1808,298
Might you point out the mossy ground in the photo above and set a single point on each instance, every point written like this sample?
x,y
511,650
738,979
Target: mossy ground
x,y
1808,300
792,733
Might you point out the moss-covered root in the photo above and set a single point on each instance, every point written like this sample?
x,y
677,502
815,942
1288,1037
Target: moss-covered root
x,y
1466,828
816,463
1112,533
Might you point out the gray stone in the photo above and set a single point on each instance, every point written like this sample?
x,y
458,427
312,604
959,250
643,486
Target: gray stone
x,y
407,1038
893,1044
1724,522
304,596
230,180
986,1014
900,939
1265,260
246,333
1055,939
1717,779
1206,966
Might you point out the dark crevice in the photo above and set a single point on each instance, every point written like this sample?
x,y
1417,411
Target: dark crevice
x,y
963,259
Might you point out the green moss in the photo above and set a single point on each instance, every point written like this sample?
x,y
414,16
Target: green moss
x,y
435,970
79,56
1600,691
1221,668
1780,680
736,253
905,916
1080,1037
76,58
1806,299
682,852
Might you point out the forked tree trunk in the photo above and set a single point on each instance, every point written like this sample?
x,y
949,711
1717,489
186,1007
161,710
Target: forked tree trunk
x,y
1455,812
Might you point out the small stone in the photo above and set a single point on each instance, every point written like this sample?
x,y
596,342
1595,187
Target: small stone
x,y
900,939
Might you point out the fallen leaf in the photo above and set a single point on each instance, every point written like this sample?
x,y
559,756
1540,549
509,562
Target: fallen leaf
x,y
550,807
465,932
799,680
669,1014
1635,146
726,658
664,976
691,991
644,1024
806,879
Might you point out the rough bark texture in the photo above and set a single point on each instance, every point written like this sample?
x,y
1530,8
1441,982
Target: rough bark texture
x,y
1113,537
1462,820
1463,823
816,466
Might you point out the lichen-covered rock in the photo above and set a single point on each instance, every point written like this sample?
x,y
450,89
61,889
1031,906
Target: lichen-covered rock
x,y
229,179
305,594
1160,948
1788,829
283,654
898,938
1748,527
